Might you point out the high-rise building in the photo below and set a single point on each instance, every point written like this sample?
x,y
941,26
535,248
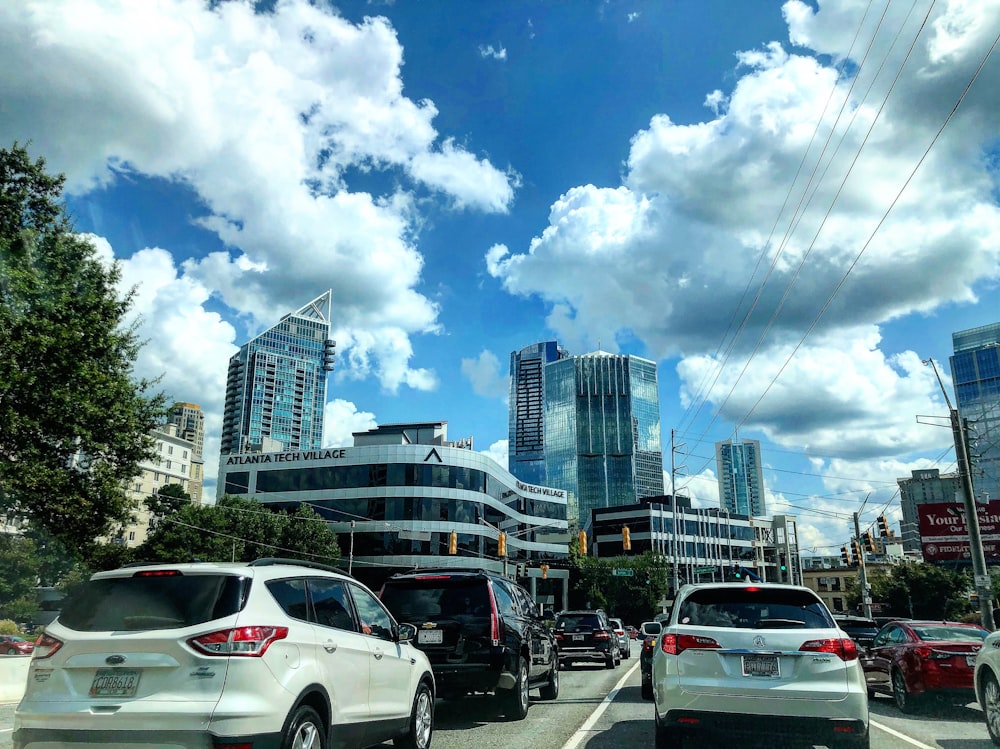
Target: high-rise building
x,y
741,479
526,428
190,421
602,432
975,370
276,386
924,486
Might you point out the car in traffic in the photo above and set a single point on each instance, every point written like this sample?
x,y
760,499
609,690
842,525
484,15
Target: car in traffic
x,y
270,653
624,642
860,629
482,633
911,660
743,660
586,635
15,645
987,683
633,632
650,631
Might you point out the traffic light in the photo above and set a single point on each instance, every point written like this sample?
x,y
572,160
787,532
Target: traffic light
x,y
502,545
883,527
856,548
738,573
869,542
545,571
626,539
784,567
453,543
845,556
583,542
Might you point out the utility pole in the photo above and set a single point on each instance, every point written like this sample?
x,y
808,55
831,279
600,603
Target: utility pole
x,y
981,576
866,596
675,543
350,555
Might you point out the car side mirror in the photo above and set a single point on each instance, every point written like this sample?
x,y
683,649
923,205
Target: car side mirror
x,y
651,629
406,633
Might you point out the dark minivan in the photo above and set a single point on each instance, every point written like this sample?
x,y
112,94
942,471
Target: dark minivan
x,y
481,632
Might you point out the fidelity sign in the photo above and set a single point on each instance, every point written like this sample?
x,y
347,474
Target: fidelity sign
x,y
944,534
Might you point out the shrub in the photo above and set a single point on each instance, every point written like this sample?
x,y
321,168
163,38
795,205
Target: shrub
x,y
9,627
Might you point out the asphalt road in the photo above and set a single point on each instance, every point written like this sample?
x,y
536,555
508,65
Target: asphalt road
x,y
602,708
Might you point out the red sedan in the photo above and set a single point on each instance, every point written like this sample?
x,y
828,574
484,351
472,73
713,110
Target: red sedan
x,y
912,659
14,645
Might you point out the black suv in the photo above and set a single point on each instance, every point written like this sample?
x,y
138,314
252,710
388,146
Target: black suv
x,y
586,635
860,629
481,632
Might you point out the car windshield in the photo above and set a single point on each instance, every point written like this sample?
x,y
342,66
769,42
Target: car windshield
x,y
412,600
754,608
153,602
578,621
945,633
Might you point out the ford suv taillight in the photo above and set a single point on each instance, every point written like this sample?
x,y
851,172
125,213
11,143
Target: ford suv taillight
x,y
46,646
250,642
845,649
672,644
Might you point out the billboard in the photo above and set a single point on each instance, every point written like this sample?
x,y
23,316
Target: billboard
x,y
944,534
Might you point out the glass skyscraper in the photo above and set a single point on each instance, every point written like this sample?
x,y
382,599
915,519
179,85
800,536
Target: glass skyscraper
x,y
975,370
602,432
526,421
276,386
741,479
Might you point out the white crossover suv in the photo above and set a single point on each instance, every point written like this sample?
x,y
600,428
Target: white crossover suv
x,y
275,653
757,660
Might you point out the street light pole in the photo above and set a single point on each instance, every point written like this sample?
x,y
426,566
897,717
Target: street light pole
x,y
982,582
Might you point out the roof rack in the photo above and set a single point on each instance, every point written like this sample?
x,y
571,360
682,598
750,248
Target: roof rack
x,y
271,561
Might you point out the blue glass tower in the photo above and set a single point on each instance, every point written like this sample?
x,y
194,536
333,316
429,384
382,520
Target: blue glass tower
x,y
276,386
526,419
602,432
741,479
975,370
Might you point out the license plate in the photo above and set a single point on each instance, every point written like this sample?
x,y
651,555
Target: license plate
x,y
577,638
761,665
114,682
430,636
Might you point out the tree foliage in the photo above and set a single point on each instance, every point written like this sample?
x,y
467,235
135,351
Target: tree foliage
x,y
632,598
241,530
76,423
918,590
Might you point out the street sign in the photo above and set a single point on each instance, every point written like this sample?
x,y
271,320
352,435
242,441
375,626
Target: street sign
x,y
622,572
982,581
703,570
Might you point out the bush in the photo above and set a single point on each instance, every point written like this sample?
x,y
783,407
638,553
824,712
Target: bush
x,y
9,627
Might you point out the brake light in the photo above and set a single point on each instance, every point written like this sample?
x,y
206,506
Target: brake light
x,y
494,617
46,646
649,645
157,573
930,654
845,649
250,642
432,577
602,634
677,644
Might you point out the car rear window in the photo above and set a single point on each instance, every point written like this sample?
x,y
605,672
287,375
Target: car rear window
x,y
754,608
578,621
953,634
153,602
436,598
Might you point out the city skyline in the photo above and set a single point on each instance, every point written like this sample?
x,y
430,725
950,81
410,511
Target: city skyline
x,y
787,206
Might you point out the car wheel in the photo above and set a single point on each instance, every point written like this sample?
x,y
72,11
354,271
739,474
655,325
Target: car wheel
x,y
550,690
991,707
515,701
905,701
304,730
421,726
609,661
666,738
647,690
11,651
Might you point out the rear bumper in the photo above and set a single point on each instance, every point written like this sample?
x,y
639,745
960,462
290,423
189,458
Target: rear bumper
x,y
29,738
776,728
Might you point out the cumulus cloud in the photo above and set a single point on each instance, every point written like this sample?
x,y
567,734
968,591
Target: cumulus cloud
x,y
341,419
263,115
489,379
498,451
497,53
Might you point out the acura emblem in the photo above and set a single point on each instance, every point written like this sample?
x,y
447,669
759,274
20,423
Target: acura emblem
x,y
115,660
758,642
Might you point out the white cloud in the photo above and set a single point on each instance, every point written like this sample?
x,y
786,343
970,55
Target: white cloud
x,y
262,115
489,379
341,419
497,53
498,451
633,16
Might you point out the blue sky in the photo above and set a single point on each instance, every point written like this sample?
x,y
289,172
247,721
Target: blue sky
x,y
768,199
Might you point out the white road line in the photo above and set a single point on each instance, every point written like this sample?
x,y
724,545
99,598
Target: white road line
x,y
588,724
903,736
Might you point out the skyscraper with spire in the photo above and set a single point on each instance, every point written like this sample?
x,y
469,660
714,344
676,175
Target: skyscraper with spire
x,y
276,385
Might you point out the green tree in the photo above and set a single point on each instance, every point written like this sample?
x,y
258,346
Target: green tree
x,y
919,590
632,598
19,570
241,530
76,422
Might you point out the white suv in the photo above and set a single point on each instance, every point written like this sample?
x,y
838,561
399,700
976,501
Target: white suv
x,y
757,660
275,653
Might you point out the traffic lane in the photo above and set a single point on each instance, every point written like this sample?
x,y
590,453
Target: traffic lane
x,y
937,723
6,724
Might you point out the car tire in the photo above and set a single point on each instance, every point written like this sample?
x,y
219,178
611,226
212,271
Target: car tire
x,y
664,737
991,706
609,660
11,651
550,689
647,690
304,729
515,701
905,700
421,726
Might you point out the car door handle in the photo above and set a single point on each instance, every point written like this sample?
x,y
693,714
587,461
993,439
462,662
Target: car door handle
x,y
330,646
378,654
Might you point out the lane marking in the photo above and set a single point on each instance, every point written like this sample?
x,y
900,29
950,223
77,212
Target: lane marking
x,y
898,735
588,724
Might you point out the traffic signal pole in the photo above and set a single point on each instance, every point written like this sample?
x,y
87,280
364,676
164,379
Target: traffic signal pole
x,y
866,595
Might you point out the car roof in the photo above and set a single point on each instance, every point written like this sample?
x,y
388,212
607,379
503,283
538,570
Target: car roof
x,y
445,571
281,565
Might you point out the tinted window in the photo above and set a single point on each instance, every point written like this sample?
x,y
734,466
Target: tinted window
x,y
291,596
331,603
375,620
504,602
578,621
416,600
155,602
953,634
754,608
